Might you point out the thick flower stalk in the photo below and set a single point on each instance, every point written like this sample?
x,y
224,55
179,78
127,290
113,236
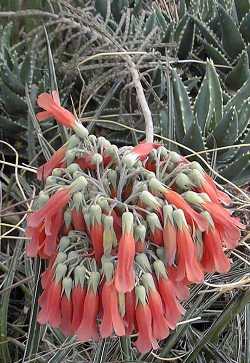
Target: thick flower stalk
x,y
125,231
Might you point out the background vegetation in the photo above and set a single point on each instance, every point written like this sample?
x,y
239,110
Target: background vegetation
x,y
193,59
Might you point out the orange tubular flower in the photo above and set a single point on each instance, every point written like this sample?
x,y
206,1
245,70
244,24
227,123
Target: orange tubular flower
x,y
66,307
172,307
88,326
78,296
56,161
160,323
125,274
51,104
145,341
169,235
129,317
177,200
51,304
96,231
187,265
213,259
111,319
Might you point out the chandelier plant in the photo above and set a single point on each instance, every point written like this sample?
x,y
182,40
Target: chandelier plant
x,y
125,232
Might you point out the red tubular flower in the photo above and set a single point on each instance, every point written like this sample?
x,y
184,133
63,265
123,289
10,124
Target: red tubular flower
x,y
177,200
156,231
43,225
129,317
66,307
213,259
96,231
140,234
139,152
88,327
172,307
187,265
78,220
169,235
111,319
78,296
86,162
228,226
56,161
160,323
145,341
125,274
51,104
51,304
205,184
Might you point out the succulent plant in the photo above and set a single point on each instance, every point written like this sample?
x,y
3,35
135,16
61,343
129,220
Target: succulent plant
x,y
213,122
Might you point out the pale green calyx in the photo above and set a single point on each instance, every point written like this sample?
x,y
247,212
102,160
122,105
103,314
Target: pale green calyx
x,y
57,172
156,186
127,223
167,214
79,275
153,222
77,199
95,213
183,182
97,159
73,142
60,258
142,260
149,200
140,232
67,217
108,270
140,294
79,184
160,269
193,198
72,168
67,284
179,218
61,270
148,281
80,130
93,281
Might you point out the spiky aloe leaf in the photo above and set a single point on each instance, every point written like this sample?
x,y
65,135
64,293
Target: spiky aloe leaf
x,y
231,38
242,7
186,40
150,23
240,96
239,74
161,19
10,79
238,169
12,102
27,67
117,8
226,132
207,33
244,117
193,138
184,114
245,26
215,53
209,102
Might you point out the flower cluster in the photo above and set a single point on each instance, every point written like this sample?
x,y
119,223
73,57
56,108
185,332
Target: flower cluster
x,y
125,232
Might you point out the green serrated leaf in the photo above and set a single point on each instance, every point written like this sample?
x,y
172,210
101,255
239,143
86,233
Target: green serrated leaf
x,y
215,53
239,74
226,132
183,110
27,68
231,38
11,80
201,106
237,100
234,170
215,97
13,103
150,23
180,27
186,40
245,26
10,126
207,33
161,20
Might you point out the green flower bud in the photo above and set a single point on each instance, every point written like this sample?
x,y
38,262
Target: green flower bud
x,y
67,217
80,130
51,181
183,182
156,186
60,258
193,198
64,243
97,159
58,172
149,200
79,184
72,168
41,200
148,281
70,156
160,269
79,275
73,142
174,157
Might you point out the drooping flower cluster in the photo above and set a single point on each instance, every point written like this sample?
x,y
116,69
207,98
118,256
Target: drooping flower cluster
x,y
125,232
